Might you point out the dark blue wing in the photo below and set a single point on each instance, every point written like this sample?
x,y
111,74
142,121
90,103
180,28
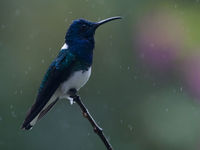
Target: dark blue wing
x,y
59,71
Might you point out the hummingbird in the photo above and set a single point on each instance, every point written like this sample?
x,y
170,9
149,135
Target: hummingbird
x,y
69,71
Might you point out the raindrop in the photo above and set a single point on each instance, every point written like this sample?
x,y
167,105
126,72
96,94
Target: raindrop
x,y
21,92
130,127
31,36
166,109
109,138
93,6
42,61
17,12
128,67
66,19
3,26
11,106
152,45
181,89
26,72
15,92
142,55
98,92
28,47
1,118
65,125
13,114
174,90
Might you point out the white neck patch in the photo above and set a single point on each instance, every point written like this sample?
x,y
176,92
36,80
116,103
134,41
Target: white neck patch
x,y
65,46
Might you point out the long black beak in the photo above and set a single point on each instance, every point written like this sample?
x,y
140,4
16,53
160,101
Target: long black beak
x,y
107,20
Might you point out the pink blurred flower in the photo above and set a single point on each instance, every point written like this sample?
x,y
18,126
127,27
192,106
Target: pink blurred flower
x,y
159,40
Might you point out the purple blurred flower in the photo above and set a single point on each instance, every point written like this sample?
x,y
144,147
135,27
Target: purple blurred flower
x,y
159,39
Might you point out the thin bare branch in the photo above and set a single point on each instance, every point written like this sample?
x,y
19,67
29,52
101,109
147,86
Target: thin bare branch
x,y
95,126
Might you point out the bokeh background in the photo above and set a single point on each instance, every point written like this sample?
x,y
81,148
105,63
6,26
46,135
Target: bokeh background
x,y
145,85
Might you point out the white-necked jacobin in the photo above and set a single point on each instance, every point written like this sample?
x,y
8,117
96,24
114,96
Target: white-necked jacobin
x,y
69,71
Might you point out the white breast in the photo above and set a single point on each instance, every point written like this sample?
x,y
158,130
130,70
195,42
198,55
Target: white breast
x,y
77,80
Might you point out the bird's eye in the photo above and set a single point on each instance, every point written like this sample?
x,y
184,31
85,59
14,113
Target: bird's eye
x,y
83,27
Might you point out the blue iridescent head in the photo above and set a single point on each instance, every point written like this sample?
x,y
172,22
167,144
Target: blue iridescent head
x,y
82,31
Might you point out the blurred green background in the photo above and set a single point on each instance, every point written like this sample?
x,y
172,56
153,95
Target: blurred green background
x,y
145,85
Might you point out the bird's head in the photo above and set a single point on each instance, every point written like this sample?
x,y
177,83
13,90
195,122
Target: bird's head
x,y
82,29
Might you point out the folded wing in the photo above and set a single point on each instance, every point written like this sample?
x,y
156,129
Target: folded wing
x,y
58,72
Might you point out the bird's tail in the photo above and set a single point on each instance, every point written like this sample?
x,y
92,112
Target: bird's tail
x,y
29,123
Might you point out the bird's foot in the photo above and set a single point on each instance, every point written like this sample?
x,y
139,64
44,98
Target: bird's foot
x,y
71,100
72,95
